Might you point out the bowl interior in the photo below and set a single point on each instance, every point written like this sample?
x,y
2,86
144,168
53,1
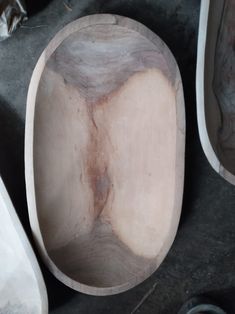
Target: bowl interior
x,y
220,82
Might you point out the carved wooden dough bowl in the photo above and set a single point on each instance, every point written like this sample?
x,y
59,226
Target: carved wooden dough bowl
x,y
22,289
105,135
216,85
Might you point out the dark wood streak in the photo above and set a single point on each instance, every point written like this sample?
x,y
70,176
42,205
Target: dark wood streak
x,y
97,165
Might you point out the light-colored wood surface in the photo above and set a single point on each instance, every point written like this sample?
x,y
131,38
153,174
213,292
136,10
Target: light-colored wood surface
x,y
104,153
22,289
216,85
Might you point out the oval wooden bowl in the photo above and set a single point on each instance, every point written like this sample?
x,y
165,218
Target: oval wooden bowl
x,y
22,288
104,153
215,85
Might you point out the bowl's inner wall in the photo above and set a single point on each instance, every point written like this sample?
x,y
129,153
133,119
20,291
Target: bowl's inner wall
x,y
104,154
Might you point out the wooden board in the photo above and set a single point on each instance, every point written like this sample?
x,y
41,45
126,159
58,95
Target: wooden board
x,y
22,289
104,153
216,85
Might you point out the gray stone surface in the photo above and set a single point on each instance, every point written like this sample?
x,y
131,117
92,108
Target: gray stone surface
x,y
202,258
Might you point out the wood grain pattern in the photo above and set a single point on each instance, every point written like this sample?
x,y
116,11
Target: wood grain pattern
x,y
105,153
216,85
224,85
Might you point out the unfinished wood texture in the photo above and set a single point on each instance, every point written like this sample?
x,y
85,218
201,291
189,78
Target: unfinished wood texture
x,y
104,156
216,85
22,289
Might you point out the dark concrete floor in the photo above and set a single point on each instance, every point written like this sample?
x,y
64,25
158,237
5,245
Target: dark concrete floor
x,y
202,258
